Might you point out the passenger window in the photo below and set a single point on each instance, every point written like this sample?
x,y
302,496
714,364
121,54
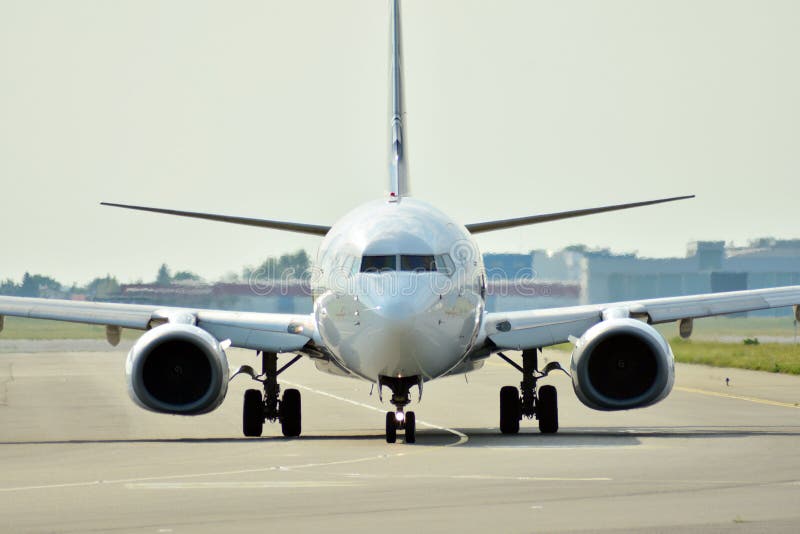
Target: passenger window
x,y
417,263
376,264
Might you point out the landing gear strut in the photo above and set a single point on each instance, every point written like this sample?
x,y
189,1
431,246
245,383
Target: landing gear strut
x,y
400,419
270,406
541,404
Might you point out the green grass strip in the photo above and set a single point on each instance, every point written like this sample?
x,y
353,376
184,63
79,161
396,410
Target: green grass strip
x,y
23,328
771,357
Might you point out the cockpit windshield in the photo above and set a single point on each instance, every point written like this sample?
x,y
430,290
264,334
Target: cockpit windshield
x,y
417,263
441,263
378,264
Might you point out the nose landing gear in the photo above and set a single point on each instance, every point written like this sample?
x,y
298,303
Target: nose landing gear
x,y
400,419
541,404
271,406
406,421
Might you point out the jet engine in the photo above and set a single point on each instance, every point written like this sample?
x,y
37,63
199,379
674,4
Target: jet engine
x,y
177,369
620,364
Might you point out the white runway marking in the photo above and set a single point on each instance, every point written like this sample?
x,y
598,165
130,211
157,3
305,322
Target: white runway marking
x,y
515,478
266,484
462,438
196,475
482,477
570,447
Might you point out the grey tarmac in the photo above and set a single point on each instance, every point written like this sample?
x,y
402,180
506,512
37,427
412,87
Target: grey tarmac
x,y
76,455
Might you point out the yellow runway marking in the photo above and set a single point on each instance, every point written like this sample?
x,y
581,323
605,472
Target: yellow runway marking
x,y
737,397
713,394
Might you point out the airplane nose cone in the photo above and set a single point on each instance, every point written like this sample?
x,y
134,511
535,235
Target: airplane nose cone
x,y
404,334
395,321
401,313
398,324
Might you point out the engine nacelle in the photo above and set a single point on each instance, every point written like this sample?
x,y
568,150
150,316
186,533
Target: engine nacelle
x,y
177,369
620,364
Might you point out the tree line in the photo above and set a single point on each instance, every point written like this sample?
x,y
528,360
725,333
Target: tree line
x,y
101,288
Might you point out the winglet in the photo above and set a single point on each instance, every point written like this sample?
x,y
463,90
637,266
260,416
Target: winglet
x,y
398,176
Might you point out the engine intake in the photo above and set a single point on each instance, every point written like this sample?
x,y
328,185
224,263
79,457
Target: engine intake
x,y
621,364
177,369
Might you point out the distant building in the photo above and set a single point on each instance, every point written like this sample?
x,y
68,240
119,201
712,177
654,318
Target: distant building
x,y
512,295
767,262
507,266
280,297
512,284
709,267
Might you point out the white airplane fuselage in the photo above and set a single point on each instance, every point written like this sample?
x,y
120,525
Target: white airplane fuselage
x,y
399,291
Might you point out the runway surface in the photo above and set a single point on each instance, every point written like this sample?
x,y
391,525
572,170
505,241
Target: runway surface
x,y
76,455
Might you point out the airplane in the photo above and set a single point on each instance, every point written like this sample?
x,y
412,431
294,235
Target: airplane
x,y
399,301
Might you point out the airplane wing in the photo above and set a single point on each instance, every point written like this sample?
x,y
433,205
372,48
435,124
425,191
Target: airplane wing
x,y
270,332
489,226
303,228
541,328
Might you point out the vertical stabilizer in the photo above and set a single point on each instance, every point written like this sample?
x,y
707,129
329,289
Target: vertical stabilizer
x,y
398,176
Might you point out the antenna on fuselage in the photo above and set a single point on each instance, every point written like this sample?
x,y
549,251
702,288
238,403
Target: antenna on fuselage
x,y
398,174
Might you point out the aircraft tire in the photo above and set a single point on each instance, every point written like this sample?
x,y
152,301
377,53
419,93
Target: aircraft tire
x,y
252,413
391,428
510,410
547,410
290,413
411,427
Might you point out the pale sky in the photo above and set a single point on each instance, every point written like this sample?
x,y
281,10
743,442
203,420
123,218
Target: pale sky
x,y
278,109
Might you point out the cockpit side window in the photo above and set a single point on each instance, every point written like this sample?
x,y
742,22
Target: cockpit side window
x,y
347,264
445,265
417,263
377,264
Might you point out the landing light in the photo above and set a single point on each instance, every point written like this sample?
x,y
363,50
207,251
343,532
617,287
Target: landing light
x,y
399,416
295,328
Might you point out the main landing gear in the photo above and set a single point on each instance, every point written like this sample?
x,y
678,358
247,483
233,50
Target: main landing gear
x,y
541,404
400,419
270,406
